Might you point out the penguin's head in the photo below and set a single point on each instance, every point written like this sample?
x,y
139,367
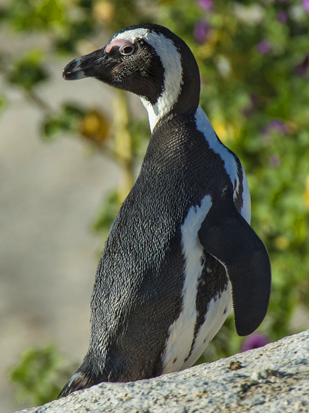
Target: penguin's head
x,y
150,61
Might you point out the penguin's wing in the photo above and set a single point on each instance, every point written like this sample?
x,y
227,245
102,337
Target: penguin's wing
x,y
229,238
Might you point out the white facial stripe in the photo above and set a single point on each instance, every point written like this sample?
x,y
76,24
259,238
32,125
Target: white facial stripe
x,y
181,332
171,61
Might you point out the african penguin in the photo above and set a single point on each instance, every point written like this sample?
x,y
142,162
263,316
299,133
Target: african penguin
x,y
181,251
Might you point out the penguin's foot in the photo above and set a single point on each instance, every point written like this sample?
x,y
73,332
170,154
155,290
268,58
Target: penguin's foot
x,y
78,381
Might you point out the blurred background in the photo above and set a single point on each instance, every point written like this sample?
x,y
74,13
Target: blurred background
x,y
70,151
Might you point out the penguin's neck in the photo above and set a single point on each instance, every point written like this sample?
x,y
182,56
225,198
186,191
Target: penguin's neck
x,y
173,132
156,111
180,94
161,117
164,108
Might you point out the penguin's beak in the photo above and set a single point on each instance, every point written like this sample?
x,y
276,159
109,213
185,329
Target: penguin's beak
x,y
90,65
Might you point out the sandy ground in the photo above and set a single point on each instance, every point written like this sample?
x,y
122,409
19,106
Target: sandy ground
x,y
49,194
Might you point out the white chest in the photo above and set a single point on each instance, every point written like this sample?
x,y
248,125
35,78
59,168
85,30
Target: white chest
x,y
181,332
182,347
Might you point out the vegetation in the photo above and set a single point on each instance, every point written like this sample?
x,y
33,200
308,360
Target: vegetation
x,y
254,62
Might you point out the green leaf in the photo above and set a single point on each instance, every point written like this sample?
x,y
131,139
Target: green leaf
x,y
108,213
31,15
50,11
29,71
39,375
3,103
65,120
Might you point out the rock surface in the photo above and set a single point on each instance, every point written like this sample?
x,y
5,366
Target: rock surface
x,y
274,378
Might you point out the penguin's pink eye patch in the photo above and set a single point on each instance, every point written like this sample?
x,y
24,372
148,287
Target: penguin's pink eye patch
x,y
126,48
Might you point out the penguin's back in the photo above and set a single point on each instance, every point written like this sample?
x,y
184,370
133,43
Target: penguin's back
x,y
155,284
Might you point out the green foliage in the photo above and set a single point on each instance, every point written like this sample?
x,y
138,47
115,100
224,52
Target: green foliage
x,y
107,214
28,71
67,119
30,15
3,103
39,375
254,63
140,133
117,14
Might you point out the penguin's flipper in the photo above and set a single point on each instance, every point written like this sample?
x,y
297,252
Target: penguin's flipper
x,y
227,236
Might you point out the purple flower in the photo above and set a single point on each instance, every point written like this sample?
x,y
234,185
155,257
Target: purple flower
x,y
206,5
254,341
282,16
276,125
201,31
263,47
302,68
306,6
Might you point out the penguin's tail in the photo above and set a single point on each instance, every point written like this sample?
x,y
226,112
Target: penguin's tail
x,y
87,375
78,381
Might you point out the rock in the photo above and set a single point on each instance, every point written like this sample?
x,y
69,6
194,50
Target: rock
x,y
274,378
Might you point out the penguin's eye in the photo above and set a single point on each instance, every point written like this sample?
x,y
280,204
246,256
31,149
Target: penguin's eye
x,y
127,50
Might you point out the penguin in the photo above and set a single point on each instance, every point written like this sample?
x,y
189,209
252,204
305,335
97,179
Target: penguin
x,y
180,252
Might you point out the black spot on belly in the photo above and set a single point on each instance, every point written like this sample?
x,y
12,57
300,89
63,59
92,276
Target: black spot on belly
x,y
175,359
